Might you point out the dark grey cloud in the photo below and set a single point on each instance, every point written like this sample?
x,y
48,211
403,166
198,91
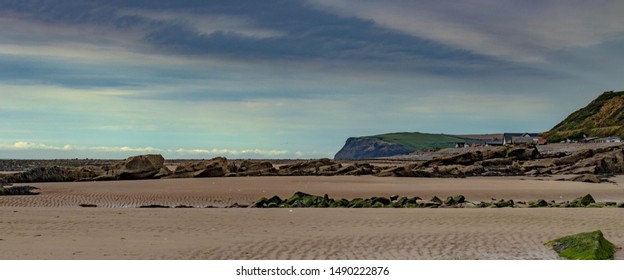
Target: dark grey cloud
x,y
305,33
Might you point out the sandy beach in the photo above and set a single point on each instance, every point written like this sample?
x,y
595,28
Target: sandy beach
x,y
52,225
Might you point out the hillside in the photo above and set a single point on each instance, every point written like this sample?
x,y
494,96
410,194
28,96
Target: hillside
x,y
601,118
392,144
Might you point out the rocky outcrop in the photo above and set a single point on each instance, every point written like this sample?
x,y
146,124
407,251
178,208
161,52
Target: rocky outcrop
x,y
322,166
357,148
138,167
135,168
254,168
19,190
55,174
516,161
216,167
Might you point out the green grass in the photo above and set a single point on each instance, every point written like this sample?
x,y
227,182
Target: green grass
x,y
415,141
584,246
585,121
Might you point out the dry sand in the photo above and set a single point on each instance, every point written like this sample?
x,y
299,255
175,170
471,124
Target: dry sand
x,y
51,226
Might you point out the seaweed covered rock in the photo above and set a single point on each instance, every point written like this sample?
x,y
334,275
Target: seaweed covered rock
x,y
19,190
538,203
584,246
582,201
264,202
504,203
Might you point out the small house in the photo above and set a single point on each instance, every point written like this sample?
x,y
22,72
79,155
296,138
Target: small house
x,y
520,138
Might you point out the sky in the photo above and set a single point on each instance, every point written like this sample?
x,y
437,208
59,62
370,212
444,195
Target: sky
x,y
291,79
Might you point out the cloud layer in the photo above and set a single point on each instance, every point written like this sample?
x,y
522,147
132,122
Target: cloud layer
x,y
282,78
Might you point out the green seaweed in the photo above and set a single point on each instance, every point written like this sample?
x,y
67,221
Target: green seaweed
x,y
584,246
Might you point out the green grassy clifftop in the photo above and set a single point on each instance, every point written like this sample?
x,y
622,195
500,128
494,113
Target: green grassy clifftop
x,y
392,144
601,118
415,141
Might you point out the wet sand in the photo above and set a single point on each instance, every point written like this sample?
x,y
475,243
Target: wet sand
x,y
203,192
52,226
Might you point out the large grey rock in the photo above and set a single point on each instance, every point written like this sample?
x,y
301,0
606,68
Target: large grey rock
x,y
216,167
255,168
55,174
308,168
133,168
523,152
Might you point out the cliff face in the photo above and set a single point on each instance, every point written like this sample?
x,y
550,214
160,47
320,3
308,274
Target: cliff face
x,y
366,147
603,117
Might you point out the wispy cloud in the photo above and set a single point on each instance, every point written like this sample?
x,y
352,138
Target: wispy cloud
x,y
127,151
23,145
254,152
206,24
512,30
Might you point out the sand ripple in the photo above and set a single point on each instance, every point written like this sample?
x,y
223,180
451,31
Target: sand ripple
x,y
226,191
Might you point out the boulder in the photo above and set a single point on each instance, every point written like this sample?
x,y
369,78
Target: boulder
x,y
306,168
538,203
382,200
398,171
582,201
137,167
586,178
264,202
329,170
55,174
450,201
163,172
584,246
428,204
360,169
255,168
216,167
523,152
435,199
504,203
611,162
573,158
495,152
19,190
464,158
